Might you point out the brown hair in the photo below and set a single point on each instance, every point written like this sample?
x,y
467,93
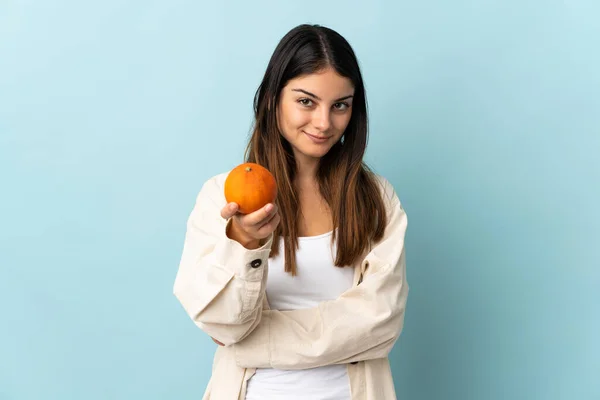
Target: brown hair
x,y
348,186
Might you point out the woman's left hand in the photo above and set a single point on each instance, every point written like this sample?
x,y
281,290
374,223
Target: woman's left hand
x,y
217,342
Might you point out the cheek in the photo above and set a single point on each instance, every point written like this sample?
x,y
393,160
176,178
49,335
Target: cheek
x,y
341,122
295,118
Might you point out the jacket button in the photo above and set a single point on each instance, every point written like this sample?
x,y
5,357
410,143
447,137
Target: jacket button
x,y
256,263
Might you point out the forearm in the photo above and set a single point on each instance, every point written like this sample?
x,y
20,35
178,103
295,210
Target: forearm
x,y
220,283
362,324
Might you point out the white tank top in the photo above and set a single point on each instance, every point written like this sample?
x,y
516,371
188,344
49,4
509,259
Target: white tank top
x,y
317,280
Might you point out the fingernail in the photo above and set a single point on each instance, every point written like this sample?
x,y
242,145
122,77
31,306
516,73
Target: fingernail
x,y
269,207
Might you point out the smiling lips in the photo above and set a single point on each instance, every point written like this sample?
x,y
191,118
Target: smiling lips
x,y
317,139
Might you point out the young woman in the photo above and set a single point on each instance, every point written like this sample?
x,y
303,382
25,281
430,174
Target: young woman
x,y
305,297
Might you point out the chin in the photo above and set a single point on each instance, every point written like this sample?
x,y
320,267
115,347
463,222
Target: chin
x,y
315,153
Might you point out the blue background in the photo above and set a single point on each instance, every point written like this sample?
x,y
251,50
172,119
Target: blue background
x,y
485,117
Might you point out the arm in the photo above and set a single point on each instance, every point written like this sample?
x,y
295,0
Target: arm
x,y
219,282
363,323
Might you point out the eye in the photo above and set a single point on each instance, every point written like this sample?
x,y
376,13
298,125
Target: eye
x,y
341,106
305,102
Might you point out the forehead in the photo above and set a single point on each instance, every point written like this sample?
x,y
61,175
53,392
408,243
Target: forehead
x,y
326,84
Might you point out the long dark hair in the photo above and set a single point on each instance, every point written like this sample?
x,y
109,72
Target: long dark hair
x,y
346,183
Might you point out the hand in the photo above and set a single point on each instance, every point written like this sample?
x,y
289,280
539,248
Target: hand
x,y
249,229
217,342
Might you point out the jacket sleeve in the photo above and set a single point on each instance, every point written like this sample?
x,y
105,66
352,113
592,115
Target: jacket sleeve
x,y
363,323
219,283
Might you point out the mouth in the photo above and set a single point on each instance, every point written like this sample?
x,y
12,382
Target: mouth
x,y
316,139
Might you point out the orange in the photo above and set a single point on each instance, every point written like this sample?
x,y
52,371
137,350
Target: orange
x,y
251,186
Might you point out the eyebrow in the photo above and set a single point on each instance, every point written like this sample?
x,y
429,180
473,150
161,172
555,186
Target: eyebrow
x,y
317,97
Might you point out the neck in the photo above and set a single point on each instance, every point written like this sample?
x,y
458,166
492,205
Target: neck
x,y
306,169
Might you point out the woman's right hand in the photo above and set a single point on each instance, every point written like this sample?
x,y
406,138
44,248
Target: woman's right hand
x,y
250,229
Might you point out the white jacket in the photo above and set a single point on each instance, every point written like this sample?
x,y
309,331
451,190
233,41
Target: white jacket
x,y
221,286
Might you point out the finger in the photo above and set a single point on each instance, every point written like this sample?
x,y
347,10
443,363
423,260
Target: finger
x,y
217,342
269,226
262,228
260,217
229,210
268,220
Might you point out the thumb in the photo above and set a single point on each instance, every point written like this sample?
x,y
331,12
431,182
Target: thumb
x,y
229,210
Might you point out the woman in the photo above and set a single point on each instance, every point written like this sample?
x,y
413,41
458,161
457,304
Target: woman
x,y
305,297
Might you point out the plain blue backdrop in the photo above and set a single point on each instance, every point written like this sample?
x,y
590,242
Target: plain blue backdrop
x,y
485,117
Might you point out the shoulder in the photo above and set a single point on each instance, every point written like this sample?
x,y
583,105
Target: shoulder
x,y
397,219
215,182
387,190
213,188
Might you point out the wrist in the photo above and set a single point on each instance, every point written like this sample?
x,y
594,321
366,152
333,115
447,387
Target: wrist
x,y
235,233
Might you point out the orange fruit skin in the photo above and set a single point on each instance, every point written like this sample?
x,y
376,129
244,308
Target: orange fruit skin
x,y
251,186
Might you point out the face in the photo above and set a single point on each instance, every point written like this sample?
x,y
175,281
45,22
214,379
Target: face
x,y
314,111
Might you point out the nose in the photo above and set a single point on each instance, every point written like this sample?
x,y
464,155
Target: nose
x,y
322,120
